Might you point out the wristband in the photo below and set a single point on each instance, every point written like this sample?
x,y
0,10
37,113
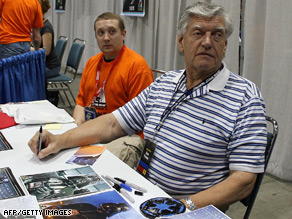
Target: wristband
x,y
190,204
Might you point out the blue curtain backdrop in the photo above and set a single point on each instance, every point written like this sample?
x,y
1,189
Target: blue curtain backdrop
x,y
22,77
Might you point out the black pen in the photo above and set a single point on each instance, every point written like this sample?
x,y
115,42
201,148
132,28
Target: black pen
x,y
119,189
40,139
132,185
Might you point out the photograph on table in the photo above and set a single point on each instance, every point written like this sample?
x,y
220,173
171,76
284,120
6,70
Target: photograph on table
x,y
108,204
86,155
64,183
4,144
9,188
210,212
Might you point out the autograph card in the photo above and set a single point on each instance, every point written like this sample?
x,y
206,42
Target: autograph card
x,y
87,155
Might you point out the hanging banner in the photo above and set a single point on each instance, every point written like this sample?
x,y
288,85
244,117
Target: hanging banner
x,y
60,5
133,8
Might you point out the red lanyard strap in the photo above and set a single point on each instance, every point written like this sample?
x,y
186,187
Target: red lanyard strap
x,y
99,87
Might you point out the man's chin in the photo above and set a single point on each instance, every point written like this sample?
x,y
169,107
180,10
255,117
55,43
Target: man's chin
x,y
205,66
107,49
208,68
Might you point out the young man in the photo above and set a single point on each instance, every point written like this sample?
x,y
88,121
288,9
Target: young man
x,y
208,124
114,76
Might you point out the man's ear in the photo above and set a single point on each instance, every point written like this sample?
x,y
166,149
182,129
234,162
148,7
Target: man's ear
x,y
180,43
225,47
124,34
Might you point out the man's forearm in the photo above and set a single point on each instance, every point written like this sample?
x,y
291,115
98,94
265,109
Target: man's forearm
x,y
36,45
36,38
100,130
234,188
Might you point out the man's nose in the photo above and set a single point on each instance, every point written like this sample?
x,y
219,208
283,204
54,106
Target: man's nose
x,y
207,40
106,36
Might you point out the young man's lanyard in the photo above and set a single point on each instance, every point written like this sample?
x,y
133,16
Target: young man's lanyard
x,y
182,98
99,87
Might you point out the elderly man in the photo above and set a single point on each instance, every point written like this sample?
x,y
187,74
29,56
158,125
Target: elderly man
x,y
208,124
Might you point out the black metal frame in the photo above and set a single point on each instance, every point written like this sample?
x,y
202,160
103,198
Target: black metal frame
x,y
271,139
62,81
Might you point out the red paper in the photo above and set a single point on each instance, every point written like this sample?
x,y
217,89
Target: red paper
x,y
6,121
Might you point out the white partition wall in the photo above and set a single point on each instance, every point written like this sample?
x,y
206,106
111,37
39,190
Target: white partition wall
x,y
153,36
268,62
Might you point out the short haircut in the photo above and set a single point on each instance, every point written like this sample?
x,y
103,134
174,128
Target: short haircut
x,y
45,5
205,10
111,16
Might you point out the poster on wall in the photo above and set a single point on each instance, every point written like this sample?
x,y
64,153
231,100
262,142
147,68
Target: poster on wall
x,y
133,8
60,5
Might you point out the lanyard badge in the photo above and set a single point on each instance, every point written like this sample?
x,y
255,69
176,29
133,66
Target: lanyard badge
x,y
90,113
146,157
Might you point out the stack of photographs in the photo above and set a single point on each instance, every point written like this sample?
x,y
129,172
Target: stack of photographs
x,y
80,191
64,183
4,144
9,188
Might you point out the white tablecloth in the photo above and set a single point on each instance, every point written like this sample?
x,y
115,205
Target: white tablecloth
x,y
22,161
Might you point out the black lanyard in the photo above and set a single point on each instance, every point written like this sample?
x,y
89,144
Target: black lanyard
x,y
182,98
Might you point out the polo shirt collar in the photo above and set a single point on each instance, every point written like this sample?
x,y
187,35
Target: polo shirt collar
x,y
217,84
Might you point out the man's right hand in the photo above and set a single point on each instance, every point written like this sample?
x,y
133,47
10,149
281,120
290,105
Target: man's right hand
x,y
51,144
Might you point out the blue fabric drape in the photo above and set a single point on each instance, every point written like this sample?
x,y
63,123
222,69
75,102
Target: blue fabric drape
x,y
22,77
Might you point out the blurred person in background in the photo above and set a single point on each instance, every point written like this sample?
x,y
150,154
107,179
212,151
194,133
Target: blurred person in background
x,y
53,64
19,25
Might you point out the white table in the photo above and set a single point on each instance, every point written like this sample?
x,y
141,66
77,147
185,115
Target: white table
x,y
22,161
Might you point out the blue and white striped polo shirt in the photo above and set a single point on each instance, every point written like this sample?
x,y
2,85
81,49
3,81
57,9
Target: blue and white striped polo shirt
x,y
219,127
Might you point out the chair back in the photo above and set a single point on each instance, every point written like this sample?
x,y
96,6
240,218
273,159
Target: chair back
x,y
157,72
61,46
62,81
75,54
271,139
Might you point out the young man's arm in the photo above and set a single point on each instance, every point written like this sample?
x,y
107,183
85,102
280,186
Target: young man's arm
x,y
79,114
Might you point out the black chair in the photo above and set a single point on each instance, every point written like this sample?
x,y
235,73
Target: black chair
x,y
61,46
62,81
271,139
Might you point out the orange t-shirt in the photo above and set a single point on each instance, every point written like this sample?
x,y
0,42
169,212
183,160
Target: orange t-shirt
x,y
129,75
18,17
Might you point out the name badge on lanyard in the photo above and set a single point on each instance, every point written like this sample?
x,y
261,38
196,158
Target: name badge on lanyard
x,y
90,113
146,157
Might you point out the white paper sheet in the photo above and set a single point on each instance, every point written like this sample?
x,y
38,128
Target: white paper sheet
x,y
36,112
